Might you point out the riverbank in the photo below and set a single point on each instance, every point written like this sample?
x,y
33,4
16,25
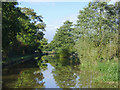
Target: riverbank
x,y
19,59
30,74
105,73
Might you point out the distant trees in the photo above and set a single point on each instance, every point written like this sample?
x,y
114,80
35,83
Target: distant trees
x,y
63,43
64,38
64,35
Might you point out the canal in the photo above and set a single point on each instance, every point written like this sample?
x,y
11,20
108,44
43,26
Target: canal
x,y
47,72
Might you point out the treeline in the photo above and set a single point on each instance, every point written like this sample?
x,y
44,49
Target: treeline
x,y
92,43
93,38
22,30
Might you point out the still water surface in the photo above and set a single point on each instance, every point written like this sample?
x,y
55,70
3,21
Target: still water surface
x,y
47,75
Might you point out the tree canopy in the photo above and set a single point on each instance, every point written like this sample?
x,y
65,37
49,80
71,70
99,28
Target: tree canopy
x,y
22,29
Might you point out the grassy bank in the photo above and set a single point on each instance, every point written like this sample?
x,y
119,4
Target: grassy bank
x,y
108,71
105,73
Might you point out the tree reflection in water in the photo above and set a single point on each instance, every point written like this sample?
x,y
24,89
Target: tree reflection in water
x,y
28,79
54,74
65,75
32,77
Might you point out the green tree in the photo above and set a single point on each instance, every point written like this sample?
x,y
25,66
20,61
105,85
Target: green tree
x,y
32,31
22,30
96,31
10,26
63,36
63,41
44,44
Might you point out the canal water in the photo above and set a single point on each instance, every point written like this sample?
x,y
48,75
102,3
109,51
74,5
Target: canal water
x,y
47,72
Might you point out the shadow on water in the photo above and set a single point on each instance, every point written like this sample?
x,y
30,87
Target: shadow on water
x,y
11,75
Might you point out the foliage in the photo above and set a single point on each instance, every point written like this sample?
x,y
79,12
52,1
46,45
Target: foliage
x,y
30,34
96,34
42,63
44,44
22,30
63,42
94,38
10,25
27,79
97,39
63,36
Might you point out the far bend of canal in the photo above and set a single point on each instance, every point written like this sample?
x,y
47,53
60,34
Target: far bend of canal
x,y
47,72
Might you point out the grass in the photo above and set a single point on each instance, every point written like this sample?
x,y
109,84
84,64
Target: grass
x,y
105,73
108,71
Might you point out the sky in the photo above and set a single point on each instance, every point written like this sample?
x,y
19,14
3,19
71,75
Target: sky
x,y
55,13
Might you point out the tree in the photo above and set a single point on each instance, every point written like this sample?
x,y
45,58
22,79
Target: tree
x,y
32,32
63,42
96,31
22,30
10,25
63,36
44,44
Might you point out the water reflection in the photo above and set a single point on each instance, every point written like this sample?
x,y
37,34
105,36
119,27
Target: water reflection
x,y
65,77
57,75
68,76
49,78
29,79
50,73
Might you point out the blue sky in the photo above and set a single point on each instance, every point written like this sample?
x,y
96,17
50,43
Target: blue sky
x,y
55,13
